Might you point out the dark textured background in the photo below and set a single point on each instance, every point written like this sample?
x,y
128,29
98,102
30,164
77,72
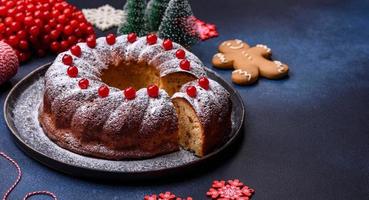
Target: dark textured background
x,y
306,137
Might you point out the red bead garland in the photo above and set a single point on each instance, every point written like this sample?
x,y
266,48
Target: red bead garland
x,y
103,91
167,44
132,37
67,59
37,27
83,83
180,54
151,39
153,91
130,93
185,64
72,71
76,50
191,91
110,39
204,83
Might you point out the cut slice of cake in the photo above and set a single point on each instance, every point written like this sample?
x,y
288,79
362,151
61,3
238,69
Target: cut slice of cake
x,y
204,115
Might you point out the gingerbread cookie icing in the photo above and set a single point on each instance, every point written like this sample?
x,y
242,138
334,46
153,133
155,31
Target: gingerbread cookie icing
x,y
248,62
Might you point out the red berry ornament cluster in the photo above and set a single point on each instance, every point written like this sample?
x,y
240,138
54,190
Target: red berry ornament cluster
x,y
165,196
232,189
40,26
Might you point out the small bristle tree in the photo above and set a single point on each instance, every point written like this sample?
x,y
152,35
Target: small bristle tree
x,y
178,23
134,22
154,14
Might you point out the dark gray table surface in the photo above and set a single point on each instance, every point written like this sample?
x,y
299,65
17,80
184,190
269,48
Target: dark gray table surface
x,y
306,136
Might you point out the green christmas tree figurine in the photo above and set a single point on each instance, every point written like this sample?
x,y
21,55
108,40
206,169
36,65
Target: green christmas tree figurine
x,y
154,14
135,22
178,23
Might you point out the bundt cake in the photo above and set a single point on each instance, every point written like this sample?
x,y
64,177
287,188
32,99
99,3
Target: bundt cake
x,y
91,106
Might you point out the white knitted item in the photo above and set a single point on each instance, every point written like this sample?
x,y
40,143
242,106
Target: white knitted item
x,y
104,17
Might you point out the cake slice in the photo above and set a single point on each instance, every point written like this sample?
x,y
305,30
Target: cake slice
x,y
204,115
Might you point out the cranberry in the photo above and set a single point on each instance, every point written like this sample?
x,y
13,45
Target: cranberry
x,y
180,54
13,40
68,30
72,71
103,91
191,91
83,83
67,59
34,31
151,39
130,93
184,64
132,37
167,44
204,83
76,50
91,42
23,44
153,91
110,39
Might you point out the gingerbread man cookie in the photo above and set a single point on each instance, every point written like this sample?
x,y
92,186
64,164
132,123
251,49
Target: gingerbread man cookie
x,y
248,62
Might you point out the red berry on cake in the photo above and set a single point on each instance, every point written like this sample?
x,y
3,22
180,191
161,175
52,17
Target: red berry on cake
x,y
185,64
151,39
110,39
130,93
103,91
76,50
167,44
91,42
72,71
83,83
180,54
67,59
153,91
191,91
204,83
132,37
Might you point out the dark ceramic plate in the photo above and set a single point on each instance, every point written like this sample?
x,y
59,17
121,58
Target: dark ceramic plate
x,y
21,110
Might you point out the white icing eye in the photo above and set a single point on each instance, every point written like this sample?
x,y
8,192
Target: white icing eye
x,y
229,44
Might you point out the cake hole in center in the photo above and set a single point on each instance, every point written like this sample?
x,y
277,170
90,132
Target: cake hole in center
x,y
130,74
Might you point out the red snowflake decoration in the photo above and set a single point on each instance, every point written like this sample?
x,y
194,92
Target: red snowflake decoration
x,y
205,30
230,190
165,196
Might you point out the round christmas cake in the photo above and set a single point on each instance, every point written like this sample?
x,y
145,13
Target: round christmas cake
x,y
132,97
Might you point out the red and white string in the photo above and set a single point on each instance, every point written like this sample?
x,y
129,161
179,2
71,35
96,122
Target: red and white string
x,y
19,176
